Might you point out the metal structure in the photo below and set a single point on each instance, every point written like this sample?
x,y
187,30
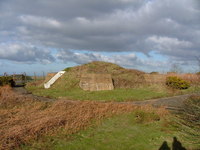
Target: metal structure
x,y
19,79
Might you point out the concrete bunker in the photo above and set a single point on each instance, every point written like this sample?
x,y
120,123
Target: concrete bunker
x,y
96,82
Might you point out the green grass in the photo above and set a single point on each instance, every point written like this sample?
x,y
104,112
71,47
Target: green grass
x,y
192,89
120,95
122,132
114,95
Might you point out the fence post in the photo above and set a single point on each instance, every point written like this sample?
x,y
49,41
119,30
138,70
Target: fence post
x,y
43,75
25,77
5,74
13,76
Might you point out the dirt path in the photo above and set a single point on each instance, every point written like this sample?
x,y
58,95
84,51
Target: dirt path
x,y
23,91
171,103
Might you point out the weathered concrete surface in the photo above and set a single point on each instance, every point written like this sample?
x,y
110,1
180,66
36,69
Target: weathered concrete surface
x,y
96,82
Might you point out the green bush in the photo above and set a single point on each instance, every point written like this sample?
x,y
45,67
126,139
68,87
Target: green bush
x,y
5,80
177,83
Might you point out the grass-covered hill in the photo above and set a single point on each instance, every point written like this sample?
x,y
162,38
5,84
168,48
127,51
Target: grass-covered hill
x,y
129,84
122,78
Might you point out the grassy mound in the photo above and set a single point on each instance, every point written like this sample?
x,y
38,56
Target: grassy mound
x,y
122,78
130,84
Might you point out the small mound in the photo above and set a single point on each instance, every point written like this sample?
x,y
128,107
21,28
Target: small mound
x,y
122,78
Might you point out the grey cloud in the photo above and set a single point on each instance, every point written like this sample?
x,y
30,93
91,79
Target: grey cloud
x,y
169,27
80,58
40,21
20,52
125,60
69,9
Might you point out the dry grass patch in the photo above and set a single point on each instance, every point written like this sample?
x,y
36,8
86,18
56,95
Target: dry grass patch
x,y
23,119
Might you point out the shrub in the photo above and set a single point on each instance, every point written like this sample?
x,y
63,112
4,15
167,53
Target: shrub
x,y
177,83
154,72
5,80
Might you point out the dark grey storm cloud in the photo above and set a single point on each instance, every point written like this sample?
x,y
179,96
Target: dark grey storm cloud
x,y
168,27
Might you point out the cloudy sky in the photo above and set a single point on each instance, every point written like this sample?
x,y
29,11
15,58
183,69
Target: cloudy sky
x,y
50,35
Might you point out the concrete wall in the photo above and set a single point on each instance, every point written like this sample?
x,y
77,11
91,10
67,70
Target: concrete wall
x,y
96,82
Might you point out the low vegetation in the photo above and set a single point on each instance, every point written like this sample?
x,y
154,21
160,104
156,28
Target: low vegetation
x,y
120,132
177,83
5,80
189,120
119,95
24,119
27,123
142,129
